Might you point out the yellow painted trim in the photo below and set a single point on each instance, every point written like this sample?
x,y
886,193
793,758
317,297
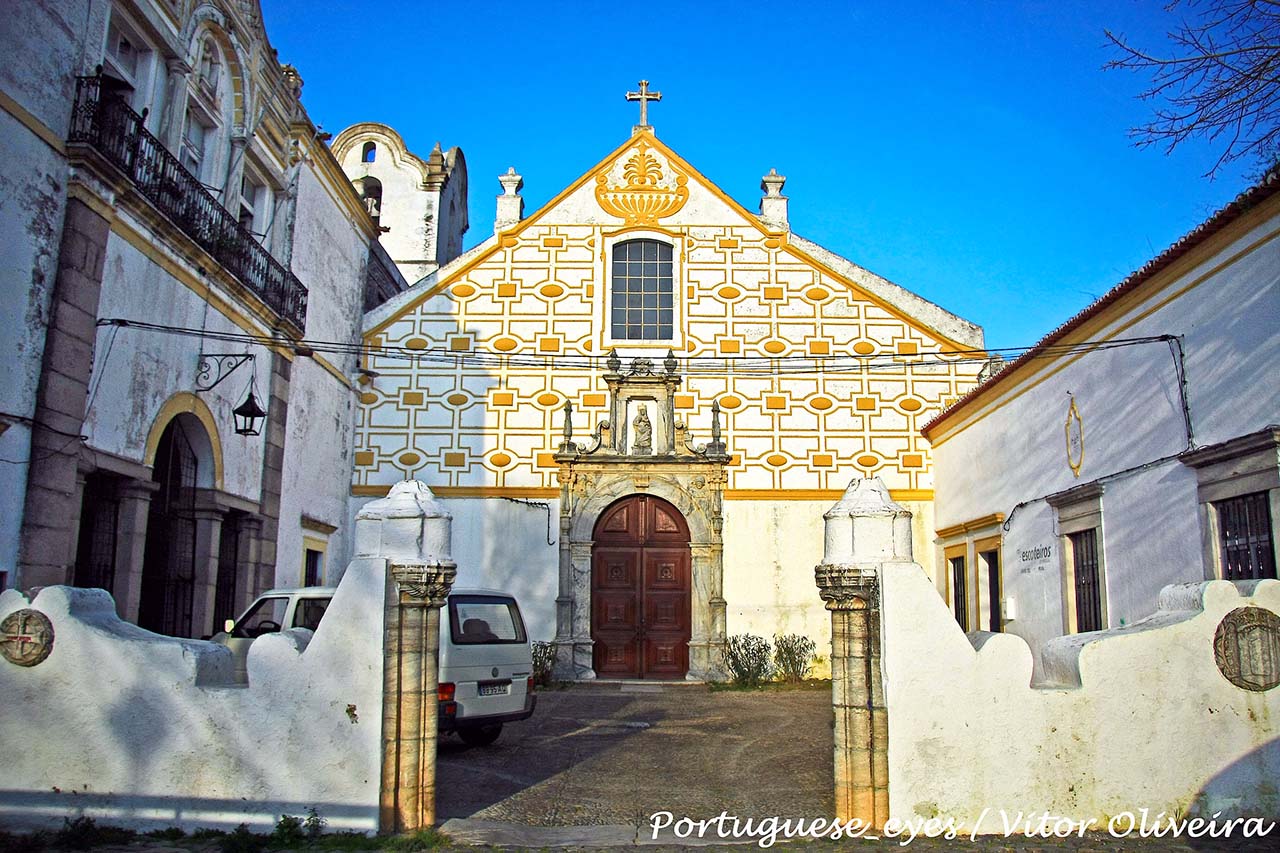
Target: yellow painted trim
x,y
179,403
311,543
1003,395
91,200
468,491
817,494
31,123
261,325
971,525
748,217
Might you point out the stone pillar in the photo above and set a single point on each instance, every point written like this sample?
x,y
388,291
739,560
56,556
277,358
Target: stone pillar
x,y
131,544
864,531
47,550
410,530
273,466
208,522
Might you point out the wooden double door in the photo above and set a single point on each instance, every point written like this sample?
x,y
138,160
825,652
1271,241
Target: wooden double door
x,y
640,590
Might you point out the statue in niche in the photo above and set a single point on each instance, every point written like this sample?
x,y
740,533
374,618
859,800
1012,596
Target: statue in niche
x,y
643,445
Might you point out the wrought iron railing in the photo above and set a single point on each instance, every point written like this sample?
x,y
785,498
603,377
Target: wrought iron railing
x,y
103,120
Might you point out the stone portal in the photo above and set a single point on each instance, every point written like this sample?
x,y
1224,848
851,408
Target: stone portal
x,y
642,454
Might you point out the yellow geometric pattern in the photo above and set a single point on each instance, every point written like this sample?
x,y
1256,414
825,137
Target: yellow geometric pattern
x,y
541,294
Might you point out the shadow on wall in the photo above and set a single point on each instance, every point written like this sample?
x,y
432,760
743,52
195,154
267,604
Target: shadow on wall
x,y
1222,792
150,812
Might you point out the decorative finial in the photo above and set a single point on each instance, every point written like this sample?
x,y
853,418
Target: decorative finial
x,y
715,421
644,96
567,446
670,362
613,362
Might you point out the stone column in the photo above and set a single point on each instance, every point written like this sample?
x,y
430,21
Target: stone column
x,y
864,531
47,549
208,520
412,532
131,544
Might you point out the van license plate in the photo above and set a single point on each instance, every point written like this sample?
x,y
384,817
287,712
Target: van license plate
x,y
501,688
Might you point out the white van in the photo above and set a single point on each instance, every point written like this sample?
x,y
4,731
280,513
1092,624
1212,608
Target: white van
x,y
274,610
486,665
486,660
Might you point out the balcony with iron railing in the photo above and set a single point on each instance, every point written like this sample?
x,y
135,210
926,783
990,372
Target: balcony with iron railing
x,y
105,122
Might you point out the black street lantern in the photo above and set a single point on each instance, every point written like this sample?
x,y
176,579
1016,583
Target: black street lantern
x,y
248,416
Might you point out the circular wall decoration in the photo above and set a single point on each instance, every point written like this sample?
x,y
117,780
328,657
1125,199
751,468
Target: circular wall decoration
x,y
1246,648
26,637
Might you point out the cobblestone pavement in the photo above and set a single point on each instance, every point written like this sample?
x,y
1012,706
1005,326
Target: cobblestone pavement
x,y
609,754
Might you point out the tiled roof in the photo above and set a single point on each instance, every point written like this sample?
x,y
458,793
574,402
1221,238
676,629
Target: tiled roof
x,y
1246,201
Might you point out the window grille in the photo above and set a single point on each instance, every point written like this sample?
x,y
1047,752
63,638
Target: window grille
x,y
1247,547
643,293
1084,562
959,592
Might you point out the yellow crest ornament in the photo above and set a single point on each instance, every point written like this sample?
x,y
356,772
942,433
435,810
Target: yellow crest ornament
x,y
1075,437
647,195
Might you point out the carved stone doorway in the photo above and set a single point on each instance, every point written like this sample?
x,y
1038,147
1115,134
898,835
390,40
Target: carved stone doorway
x,y
640,590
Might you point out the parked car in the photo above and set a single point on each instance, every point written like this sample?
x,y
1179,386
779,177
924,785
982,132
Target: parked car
x,y
486,659
274,610
486,665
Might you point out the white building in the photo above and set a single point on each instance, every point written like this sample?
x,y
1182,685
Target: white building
x,y
1136,446
175,228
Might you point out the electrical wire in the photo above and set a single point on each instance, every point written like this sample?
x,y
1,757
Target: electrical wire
x,y
691,365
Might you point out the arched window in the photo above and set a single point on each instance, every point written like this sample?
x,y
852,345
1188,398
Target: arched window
x,y
369,153
370,190
642,293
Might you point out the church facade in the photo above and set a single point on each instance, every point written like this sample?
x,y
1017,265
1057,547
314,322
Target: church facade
x,y
637,401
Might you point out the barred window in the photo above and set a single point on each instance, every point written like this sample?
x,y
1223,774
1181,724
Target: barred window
x,y
642,291
1244,525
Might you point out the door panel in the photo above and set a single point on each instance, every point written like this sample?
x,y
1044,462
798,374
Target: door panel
x,y
640,590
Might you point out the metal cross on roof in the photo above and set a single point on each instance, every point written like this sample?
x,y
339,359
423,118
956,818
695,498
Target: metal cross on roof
x,y
644,96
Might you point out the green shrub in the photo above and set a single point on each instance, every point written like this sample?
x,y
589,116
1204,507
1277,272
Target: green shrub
x,y
83,833
171,833
747,660
544,658
314,825
241,840
288,832
793,656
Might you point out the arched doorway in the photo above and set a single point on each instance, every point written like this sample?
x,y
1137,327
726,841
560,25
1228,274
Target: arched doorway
x,y
640,590
168,569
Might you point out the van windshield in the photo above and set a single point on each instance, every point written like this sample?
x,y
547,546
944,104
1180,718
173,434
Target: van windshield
x,y
484,619
265,616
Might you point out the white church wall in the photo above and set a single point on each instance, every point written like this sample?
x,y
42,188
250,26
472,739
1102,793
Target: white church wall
x,y
1153,723
501,544
770,549
145,731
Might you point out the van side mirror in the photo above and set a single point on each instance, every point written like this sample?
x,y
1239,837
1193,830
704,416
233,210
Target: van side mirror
x,y
229,625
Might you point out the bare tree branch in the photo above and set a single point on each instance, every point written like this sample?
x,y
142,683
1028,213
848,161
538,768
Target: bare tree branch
x,y
1221,80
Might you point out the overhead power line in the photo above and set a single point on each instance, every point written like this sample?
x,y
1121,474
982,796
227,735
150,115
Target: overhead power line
x,y
697,365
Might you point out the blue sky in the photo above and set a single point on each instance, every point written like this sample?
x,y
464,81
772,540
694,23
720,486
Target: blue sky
x,y
975,153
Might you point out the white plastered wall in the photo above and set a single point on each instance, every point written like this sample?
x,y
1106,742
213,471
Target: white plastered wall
x,y
145,731
1153,724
